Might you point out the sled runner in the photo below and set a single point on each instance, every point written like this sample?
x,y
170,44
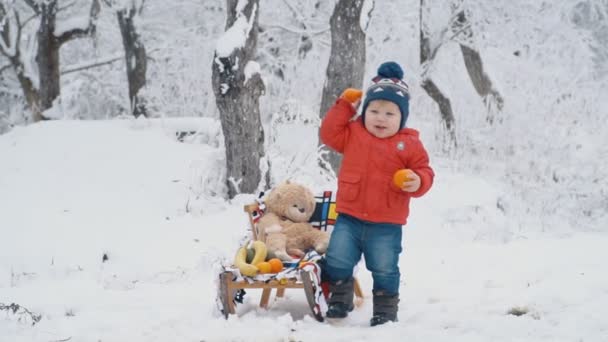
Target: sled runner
x,y
304,273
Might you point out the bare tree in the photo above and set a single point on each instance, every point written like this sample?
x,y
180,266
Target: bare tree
x,y
237,86
49,42
346,65
10,36
460,30
428,51
135,53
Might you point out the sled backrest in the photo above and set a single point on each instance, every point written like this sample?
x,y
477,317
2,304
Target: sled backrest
x,y
324,216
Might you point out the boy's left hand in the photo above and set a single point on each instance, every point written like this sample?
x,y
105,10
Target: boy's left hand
x,y
412,184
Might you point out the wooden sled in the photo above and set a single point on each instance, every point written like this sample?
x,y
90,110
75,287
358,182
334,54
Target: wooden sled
x,y
229,288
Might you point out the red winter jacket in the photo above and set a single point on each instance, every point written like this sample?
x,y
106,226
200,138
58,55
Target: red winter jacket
x,y
365,186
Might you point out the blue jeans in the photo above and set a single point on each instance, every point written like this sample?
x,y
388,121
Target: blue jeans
x,y
380,244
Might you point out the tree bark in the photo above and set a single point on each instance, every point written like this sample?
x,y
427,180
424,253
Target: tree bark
x,y
237,99
47,56
346,66
135,58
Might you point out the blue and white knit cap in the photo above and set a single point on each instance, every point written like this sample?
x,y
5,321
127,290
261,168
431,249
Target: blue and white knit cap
x,y
389,85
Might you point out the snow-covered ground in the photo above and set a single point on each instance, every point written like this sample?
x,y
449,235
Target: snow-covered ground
x,y
74,191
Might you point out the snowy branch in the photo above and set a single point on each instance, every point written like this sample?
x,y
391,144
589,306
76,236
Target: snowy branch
x,y
298,31
34,5
22,313
90,65
98,62
10,33
2,68
296,14
66,35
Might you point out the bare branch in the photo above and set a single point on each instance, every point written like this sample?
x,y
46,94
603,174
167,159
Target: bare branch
x,y
93,65
59,9
82,32
21,313
98,63
141,7
6,67
297,31
296,14
28,20
63,340
6,36
34,5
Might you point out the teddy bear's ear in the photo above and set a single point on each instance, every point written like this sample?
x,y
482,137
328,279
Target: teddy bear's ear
x,y
273,196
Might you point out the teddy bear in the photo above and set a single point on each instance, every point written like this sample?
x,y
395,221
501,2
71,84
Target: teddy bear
x,y
284,226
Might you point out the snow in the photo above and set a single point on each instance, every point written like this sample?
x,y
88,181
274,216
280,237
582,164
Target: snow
x,y
366,13
70,24
74,191
251,68
235,36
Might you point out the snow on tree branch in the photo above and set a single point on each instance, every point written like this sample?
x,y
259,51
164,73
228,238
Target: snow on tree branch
x,y
10,31
235,37
79,26
252,68
22,314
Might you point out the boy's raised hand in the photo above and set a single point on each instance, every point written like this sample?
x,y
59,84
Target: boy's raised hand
x,y
407,180
353,96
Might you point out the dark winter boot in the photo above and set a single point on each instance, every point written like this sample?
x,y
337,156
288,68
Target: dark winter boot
x,y
340,301
385,308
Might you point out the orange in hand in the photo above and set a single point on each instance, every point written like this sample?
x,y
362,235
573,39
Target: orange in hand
x,y
401,177
352,95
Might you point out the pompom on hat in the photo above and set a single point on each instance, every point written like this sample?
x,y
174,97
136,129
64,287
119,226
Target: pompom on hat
x,y
389,85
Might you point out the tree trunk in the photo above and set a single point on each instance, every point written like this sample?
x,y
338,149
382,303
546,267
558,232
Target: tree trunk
x,y
237,99
445,106
47,57
346,66
472,60
135,58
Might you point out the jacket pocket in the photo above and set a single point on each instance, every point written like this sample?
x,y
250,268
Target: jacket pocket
x,y
349,185
397,198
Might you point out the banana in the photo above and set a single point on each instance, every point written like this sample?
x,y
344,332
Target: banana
x,y
260,252
245,268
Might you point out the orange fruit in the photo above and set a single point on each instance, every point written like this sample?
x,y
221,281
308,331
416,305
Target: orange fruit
x,y
264,267
352,95
276,265
401,176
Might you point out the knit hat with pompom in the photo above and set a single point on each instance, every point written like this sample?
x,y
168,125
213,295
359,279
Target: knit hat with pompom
x,y
389,85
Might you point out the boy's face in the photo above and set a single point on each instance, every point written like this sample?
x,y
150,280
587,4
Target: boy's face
x,y
382,118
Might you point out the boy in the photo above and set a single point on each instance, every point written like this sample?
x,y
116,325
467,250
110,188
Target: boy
x,y
372,206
